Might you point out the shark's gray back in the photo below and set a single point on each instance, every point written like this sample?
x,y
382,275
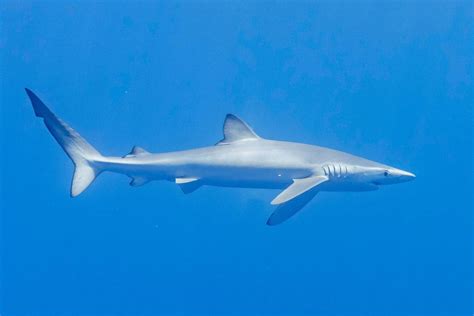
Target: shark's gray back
x,y
264,152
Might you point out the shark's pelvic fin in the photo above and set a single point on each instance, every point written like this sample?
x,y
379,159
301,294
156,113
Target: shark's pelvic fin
x,y
77,148
298,187
188,185
236,130
138,181
136,151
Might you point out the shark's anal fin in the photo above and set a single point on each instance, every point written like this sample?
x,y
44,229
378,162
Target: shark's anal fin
x,y
138,181
236,130
298,187
188,185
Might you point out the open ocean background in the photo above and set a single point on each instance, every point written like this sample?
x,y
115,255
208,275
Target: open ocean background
x,y
390,81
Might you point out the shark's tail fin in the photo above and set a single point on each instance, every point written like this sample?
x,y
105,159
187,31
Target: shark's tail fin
x,y
77,148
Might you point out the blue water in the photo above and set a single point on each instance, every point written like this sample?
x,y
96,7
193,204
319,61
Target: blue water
x,y
392,82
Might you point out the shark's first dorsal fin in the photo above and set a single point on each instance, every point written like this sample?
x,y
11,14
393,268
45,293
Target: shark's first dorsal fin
x,y
236,130
136,151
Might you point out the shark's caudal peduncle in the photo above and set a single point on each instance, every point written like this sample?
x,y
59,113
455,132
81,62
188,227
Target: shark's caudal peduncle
x,y
240,159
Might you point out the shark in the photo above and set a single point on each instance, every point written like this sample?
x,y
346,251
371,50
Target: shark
x,y
240,159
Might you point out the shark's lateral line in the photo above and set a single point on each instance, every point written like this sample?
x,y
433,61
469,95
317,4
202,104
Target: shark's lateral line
x,y
240,159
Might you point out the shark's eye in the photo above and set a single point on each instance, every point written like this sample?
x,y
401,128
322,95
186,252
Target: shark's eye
x,y
386,173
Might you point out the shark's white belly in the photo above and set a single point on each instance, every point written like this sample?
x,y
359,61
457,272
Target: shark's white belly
x,y
215,174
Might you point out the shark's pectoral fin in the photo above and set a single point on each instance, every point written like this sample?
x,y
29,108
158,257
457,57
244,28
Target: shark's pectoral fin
x,y
294,198
286,210
298,187
188,185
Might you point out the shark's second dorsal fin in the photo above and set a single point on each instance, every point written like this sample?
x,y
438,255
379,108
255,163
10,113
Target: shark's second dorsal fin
x,y
236,130
136,151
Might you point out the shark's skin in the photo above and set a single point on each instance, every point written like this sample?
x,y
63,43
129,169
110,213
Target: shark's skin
x,y
241,159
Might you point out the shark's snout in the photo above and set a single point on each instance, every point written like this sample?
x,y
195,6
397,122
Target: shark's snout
x,y
392,176
402,176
